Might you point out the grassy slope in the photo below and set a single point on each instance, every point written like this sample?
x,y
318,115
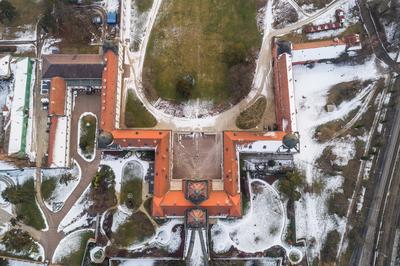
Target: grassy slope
x,y
76,257
252,116
23,196
47,187
136,229
136,115
190,38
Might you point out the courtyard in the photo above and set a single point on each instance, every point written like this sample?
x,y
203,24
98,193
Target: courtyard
x,y
197,155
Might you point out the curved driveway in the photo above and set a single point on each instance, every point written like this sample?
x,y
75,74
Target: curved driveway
x,y
224,120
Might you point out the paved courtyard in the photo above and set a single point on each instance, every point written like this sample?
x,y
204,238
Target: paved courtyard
x,y
197,155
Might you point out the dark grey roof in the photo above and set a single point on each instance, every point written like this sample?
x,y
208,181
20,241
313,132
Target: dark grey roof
x,y
290,140
73,66
104,139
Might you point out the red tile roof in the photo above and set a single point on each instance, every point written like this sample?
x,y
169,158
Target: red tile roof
x,y
58,92
108,93
317,44
282,90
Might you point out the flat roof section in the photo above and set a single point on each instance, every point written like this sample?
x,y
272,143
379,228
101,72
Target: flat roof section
x,y
197,156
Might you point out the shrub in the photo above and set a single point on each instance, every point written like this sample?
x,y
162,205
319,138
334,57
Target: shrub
x,y
290,184
7,12
87,134
19,241
235,54
23,197
136,229
337,204
252,116
47,188
184,87
329,249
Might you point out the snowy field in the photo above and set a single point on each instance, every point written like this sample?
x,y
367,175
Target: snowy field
x,y
14,177
260,229
349,19
118,164
69,244
77,217
63,189
312,219
164,238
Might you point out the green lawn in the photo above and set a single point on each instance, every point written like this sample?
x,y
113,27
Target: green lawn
x,y
47,187
136,229
87,136
206,40
131,193
136,115
252,116
143,5
23,197
76,257
132,183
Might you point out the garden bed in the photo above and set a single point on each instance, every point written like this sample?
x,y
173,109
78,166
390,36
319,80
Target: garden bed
x,y
135,229
132,184
57,185
87,132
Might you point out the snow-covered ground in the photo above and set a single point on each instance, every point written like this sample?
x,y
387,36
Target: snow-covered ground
x,y
34,255
60,151
312,220
260,229
68,245
138,262
23,263
50,46
350,19
112,5
17,113
77,217
117,164
137,22
12,177
164,237
63,188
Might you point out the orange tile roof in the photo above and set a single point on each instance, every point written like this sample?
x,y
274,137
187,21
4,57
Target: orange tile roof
x,y
150,138
283,101
172,203
58,90
108,94
318,44
219,203
231,162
